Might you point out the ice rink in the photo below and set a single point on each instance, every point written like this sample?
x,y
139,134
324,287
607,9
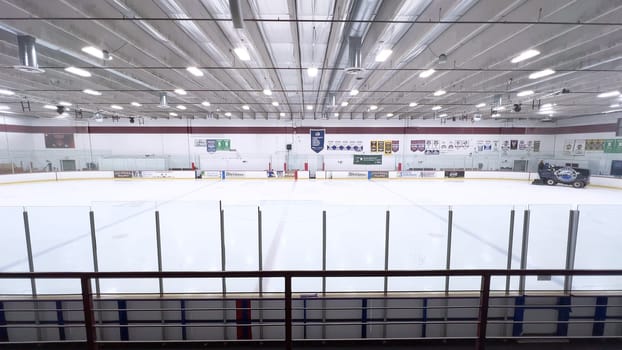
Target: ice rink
x,y
356,215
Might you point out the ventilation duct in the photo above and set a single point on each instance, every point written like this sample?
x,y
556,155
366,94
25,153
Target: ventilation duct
x,y
27,55
236,14
355,58
163,100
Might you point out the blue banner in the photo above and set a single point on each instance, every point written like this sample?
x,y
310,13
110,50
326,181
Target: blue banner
x,y
211,146
317,139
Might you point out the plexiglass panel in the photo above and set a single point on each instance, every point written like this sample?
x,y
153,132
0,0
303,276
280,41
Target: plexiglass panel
x,y
126,241
480,238
598,246
548,233
355,239
61,241
292,239
13,251
417,241
190,234
241,246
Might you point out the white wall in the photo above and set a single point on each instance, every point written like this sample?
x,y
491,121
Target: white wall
x,y
258,151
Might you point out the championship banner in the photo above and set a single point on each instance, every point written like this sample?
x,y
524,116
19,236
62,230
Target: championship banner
x,y
594,144
395,145
211,145
317,139
380,146
417,145
579,148
387,147
374,146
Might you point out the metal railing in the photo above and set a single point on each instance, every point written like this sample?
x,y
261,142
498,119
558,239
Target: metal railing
x,y
86,279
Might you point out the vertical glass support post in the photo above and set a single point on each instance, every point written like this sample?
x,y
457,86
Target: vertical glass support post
x,y
523,255
223,264
386,268
324,277
94,249
450,217
159,251
260,255
31,268
571,247
510,244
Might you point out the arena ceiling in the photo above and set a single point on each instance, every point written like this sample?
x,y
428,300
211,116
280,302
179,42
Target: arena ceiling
x,y
470,44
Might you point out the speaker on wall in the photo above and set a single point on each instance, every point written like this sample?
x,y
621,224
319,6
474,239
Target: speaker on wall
x,y
288,147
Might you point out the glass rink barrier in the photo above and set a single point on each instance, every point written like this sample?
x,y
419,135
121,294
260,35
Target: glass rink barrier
x,y
305,270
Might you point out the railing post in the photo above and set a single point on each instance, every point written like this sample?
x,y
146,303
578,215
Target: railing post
x,y
288,312
482,320
89,315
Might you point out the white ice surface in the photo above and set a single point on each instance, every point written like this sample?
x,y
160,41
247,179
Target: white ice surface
x,y
292,230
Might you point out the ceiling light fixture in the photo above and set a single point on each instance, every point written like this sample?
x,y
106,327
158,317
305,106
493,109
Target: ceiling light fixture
x,y
267,92
195,71
525,55
92,92
312,71
181,107
282,114
495,115
63,103
500,108
541,74
390,114
442,115
275,103
206,104
524,93
117,107
4,108
180,92
480,105
412,104
95,52
440,92
335,114
426,73
135,104
609,94
242,53
228,114
615,105
436,108
383,55
344,103
172,114
246,107
50,107
78,71
6,92
373,107
354,92
309,108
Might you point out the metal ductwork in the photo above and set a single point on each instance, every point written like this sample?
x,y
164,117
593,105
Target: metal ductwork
x,y
355,58
163,100
236,14
27,55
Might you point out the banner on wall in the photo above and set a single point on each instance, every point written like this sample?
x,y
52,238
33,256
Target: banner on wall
x,y
388,147
356,146
613,146
594,144
395,145
374,146
211,145
368,159
417,145
513,144
579,148
59,141
536,146
317,139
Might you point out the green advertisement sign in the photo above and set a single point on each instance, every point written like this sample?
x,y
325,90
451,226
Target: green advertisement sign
x,y
374,159
612,146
